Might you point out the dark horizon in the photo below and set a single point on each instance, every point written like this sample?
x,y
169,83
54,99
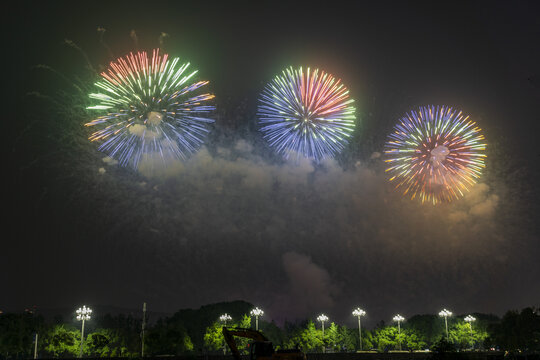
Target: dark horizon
x,y
236,222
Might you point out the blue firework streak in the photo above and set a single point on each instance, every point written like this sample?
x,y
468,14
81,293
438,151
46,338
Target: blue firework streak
x,y
435,153
308,113
152,108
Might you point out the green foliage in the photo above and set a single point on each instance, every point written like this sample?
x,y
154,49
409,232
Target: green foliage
x,y
276,335
386,338
368,340
429,328
213,336
311,338
98,344
245,322
463,336
348,338
443,346
168,337
242,343
339,338
308,339
518,331
331,336
119,336
122,332
195,322
412,340
108,343
17,333
62,340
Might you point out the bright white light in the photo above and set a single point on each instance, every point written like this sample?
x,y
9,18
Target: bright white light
x,y
84,313
322,318
358,312
445,313
398,318
469,318
225,317
257,312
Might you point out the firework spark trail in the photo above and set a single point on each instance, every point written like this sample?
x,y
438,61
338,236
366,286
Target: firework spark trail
x,y
435,153
307,113
150,109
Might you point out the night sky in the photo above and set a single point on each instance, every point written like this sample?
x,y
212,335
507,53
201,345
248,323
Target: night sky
x,y
235,221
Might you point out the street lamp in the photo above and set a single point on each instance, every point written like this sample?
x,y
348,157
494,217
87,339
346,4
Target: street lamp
x,y
224,318
398,318
83,314
359,313
257,312
322,318
470,319
445,313
143,327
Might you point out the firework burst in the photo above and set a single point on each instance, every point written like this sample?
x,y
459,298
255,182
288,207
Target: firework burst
x,y
153,107
435,153
306,113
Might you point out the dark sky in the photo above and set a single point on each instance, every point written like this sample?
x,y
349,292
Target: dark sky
x,y
235,223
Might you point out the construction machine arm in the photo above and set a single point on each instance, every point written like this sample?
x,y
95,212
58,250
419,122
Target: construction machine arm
x,y
229,335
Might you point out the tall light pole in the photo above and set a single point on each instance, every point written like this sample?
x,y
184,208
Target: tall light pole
x,y
143,327
257,312
322,318
32,311
398,318
470,319
359,313
83,314
35,345
445,313
224,318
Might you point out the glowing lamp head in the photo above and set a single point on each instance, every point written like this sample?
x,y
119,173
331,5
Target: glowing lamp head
x,y
445,313
225,317
469,318
322,318
358,312
83,313
257,312
398,318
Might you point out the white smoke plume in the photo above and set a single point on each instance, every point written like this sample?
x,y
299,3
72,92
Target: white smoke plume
x,y
291,232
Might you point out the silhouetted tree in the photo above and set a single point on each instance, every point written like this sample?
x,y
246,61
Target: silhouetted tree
x,y
518,331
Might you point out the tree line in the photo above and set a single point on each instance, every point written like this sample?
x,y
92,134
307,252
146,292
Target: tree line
x,y
199,332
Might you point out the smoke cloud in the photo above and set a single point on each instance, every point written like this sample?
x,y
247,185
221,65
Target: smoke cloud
x,y
310,288
299,239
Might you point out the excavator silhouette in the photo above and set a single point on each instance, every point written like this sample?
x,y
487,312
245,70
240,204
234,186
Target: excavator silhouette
x,y
260,348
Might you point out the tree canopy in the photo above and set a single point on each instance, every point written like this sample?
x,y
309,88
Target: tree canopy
x,y
120,335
